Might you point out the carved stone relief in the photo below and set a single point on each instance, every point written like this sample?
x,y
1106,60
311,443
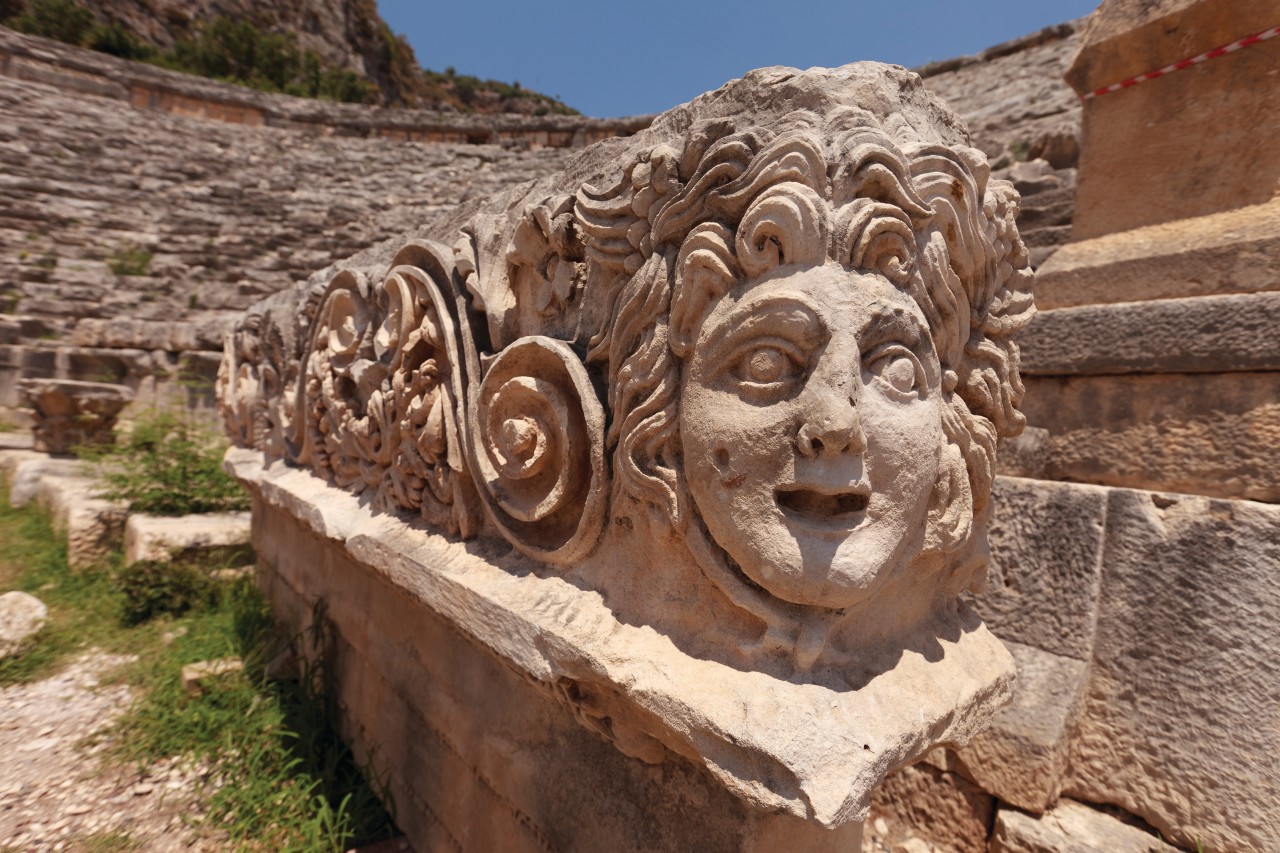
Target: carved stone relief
x,y
742,375
69,413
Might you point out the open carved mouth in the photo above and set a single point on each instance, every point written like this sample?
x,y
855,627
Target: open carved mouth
x,y
829,509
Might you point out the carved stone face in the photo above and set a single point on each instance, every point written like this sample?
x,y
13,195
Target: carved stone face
x,y
810,418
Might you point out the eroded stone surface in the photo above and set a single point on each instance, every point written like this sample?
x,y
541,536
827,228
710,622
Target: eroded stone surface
x,y
765,345
1209,334
1209,434
1046,565
69,413
1022,757
1235,251
1070,827
149,537
92,524
1182,701
923,804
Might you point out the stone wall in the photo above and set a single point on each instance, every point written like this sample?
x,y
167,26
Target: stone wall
x,y
1135,551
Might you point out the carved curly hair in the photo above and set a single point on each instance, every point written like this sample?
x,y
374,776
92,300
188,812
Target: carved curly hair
x,y
683,226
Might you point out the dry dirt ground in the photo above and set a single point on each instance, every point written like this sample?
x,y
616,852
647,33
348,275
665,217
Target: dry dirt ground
x,y
57,790
60,792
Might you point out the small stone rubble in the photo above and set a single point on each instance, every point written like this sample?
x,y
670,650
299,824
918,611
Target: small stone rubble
x,y
55,789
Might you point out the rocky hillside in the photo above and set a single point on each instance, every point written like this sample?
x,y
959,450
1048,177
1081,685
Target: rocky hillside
x,y
338,49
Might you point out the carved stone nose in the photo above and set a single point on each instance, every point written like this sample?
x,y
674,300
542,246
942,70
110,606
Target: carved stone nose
x,y
837,429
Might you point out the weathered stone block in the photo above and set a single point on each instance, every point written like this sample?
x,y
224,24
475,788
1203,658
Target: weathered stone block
x,y
70,413
1207,434
21,618
1046,565
1022,757
150,537
1185,144
1070,827
1210,334
1180,716
942,808
93,525
1235,251
23,470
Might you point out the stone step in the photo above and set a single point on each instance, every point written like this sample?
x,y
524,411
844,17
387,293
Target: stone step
x,y
1233,252
1208,334
149,537
1204,433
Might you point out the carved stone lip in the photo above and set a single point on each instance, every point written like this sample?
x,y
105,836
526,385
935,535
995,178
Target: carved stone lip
x,y
826,508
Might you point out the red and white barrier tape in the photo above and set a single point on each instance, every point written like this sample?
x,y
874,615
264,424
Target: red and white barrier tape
x,y
1185,63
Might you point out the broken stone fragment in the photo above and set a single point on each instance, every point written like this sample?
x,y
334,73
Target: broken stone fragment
x,y
70,412
21,617
197,677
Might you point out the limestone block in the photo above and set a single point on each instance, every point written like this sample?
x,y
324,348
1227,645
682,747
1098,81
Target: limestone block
x,y
1181,713
1234,251
93,525
1207,434
151,537
1022,757
1210,334
1185,144
1070,827
942,808
21,618
1025,455
24,469
1046,565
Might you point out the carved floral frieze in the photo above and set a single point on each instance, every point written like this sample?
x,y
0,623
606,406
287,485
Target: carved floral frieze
x,y
746,379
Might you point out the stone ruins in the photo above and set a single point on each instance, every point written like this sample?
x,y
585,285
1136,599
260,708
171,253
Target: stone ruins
x,y
615,546
127,254
732,388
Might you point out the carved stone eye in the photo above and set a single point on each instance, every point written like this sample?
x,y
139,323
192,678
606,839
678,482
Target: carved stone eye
x,y
766,364
896,369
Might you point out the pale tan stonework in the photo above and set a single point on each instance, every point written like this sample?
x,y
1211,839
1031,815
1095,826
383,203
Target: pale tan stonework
x,y
731,389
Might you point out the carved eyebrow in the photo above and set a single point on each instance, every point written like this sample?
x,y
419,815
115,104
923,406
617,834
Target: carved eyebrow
x,y
780,315
890,323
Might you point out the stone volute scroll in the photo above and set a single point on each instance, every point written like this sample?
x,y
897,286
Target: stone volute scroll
x,y
730,388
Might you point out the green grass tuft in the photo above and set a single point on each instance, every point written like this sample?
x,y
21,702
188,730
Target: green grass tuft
x,y
169,465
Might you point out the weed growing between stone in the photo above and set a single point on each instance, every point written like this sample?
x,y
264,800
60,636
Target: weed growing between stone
x,y
168,464
280,776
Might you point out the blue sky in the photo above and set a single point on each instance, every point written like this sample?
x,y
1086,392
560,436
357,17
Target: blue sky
x,y
610,59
